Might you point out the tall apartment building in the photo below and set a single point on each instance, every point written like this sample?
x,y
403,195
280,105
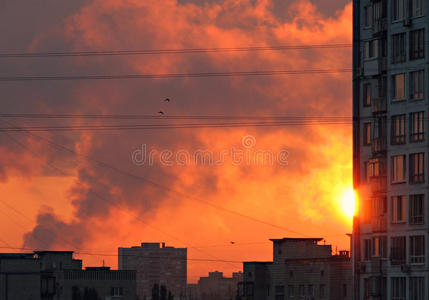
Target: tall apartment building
x,y
390,148
156,264
301,269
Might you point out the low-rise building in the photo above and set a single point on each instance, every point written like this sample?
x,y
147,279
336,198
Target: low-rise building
x,y
301,269
56,275
215,287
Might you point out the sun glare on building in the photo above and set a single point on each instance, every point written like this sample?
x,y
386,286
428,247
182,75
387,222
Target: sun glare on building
x,y
348,202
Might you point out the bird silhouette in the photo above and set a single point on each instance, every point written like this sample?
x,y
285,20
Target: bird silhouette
x,y
167,100
232,243
161,112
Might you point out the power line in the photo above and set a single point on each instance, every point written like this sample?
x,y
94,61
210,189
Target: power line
x,y
174,75
172,51
168,126
168,117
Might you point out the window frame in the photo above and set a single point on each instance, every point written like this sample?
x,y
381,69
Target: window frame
x,y
417,254
398,288
399,209
416,208
417,168
395,175
399,48
417,44
398,124
417,126
417,85
395,96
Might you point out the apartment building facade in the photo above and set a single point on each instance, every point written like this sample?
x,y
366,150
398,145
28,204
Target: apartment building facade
x,y
390,149
156,264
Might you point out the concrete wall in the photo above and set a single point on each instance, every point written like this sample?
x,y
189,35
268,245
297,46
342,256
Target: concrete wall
x,y
19,279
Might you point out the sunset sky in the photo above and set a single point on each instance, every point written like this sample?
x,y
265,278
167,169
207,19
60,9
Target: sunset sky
x,y
51,198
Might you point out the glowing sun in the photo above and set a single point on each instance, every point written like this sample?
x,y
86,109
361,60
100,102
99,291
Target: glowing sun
x,y
348,202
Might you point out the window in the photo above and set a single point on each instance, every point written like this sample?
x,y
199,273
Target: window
x,y
368,16
367,94
399,86
398,48
417,44
416,208
301,291
367,134
310,290
399,208
280,292
367,249
398,10
322,291
379,246
291,291
417,132
379,206
417,173
417,84
417,8
371,49
398,168
398,288
398,130
398,250
367,288
417,249
117,291
417,288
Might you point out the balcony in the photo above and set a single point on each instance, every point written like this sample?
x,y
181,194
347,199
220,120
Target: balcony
x,y
379,145
378,265
375,66
378,184
379,105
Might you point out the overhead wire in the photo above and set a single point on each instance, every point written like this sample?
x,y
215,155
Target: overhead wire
x,y
170,51
173,75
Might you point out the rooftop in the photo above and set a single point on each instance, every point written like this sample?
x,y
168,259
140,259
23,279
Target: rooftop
x,y
297,240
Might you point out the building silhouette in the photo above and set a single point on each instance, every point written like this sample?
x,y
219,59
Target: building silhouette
x,y
390,112
156,264
215,287
301,269
55,275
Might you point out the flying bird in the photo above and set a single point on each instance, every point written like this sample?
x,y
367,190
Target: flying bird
x,y
232,243
167,100
161,112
